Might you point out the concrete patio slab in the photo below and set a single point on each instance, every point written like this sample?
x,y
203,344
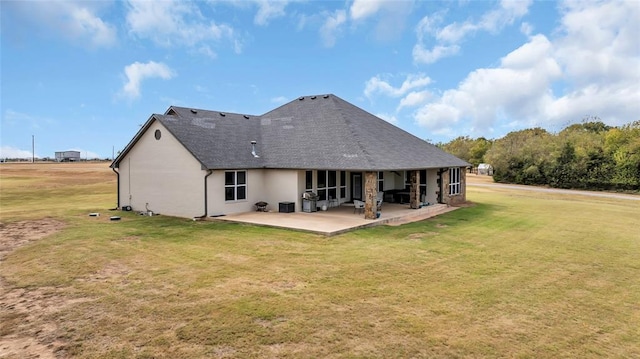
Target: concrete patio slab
x,y
338,219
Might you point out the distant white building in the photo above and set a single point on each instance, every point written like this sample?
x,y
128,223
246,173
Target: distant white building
x,y
485,169
68,156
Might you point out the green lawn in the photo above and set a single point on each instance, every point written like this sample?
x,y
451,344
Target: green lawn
x,y
519,274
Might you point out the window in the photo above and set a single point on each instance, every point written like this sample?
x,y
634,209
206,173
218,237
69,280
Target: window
x,y
423,185
454,181
308,180
235,185
322,185
380,181
343,184
327,184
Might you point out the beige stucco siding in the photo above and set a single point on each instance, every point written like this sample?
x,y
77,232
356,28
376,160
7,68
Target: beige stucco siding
x,y
283,186
162,175
271,186
432,185
216,189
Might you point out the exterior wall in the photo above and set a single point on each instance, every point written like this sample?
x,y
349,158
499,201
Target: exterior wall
x,y
283,186
162,174
271,186
457,199
432,186
397,182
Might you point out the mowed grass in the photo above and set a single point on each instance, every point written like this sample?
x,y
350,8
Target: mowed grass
x,y
519,274
58,190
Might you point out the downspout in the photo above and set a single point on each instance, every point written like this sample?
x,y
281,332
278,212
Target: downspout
x,y
118,176
209,172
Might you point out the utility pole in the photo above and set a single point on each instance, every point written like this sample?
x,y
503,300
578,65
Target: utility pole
x,y
113,153
33,149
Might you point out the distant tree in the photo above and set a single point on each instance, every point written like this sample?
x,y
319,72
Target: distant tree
x,y
590,155
562,172
459,147
468,149
478,150
521,156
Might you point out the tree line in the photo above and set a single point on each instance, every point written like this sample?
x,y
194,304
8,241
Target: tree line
x,y
588,155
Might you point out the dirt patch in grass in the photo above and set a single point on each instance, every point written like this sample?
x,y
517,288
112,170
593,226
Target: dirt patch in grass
x,y
422,235
14,235
22,332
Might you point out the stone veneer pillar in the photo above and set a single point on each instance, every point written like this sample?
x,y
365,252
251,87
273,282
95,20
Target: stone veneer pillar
x,y
370,185
414,193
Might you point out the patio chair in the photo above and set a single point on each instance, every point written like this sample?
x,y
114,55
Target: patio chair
x,y
358,205
379,198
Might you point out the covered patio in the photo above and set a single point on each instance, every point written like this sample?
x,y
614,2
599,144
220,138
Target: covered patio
x,y
337,220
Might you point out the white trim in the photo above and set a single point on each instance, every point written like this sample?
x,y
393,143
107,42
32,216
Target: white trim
x,y
454,181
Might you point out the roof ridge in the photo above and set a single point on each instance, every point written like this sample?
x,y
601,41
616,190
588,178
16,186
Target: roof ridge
x,y
352,126
192,109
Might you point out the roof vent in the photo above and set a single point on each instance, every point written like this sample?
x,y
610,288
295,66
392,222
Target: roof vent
x,y
222,114
193,110
300,98
325,96
313,97
253,149
246,116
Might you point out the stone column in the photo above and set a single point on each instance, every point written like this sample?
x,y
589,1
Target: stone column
x,y
414,194
370,185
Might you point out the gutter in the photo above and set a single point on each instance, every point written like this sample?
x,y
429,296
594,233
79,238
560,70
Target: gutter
x,y
209,172
118,175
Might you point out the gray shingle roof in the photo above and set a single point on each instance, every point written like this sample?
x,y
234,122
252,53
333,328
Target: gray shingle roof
x,y
312,132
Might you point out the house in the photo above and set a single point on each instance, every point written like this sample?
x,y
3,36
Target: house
x,y
68,156
198,163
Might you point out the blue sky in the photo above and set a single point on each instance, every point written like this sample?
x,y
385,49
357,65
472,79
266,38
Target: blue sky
x,y
84,75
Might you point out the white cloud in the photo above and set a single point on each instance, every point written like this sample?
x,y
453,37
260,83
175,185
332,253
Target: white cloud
x,y
413,99
389,16
604,37
508,12
425,56
377,85
593,65
269,10
450,36
361,9
75,20
518,88
175,23
389,20
12,152
526,28
332,27
85,23
137,72
207,51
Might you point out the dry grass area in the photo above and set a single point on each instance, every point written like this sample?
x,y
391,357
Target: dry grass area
x,y
34,191
519,274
